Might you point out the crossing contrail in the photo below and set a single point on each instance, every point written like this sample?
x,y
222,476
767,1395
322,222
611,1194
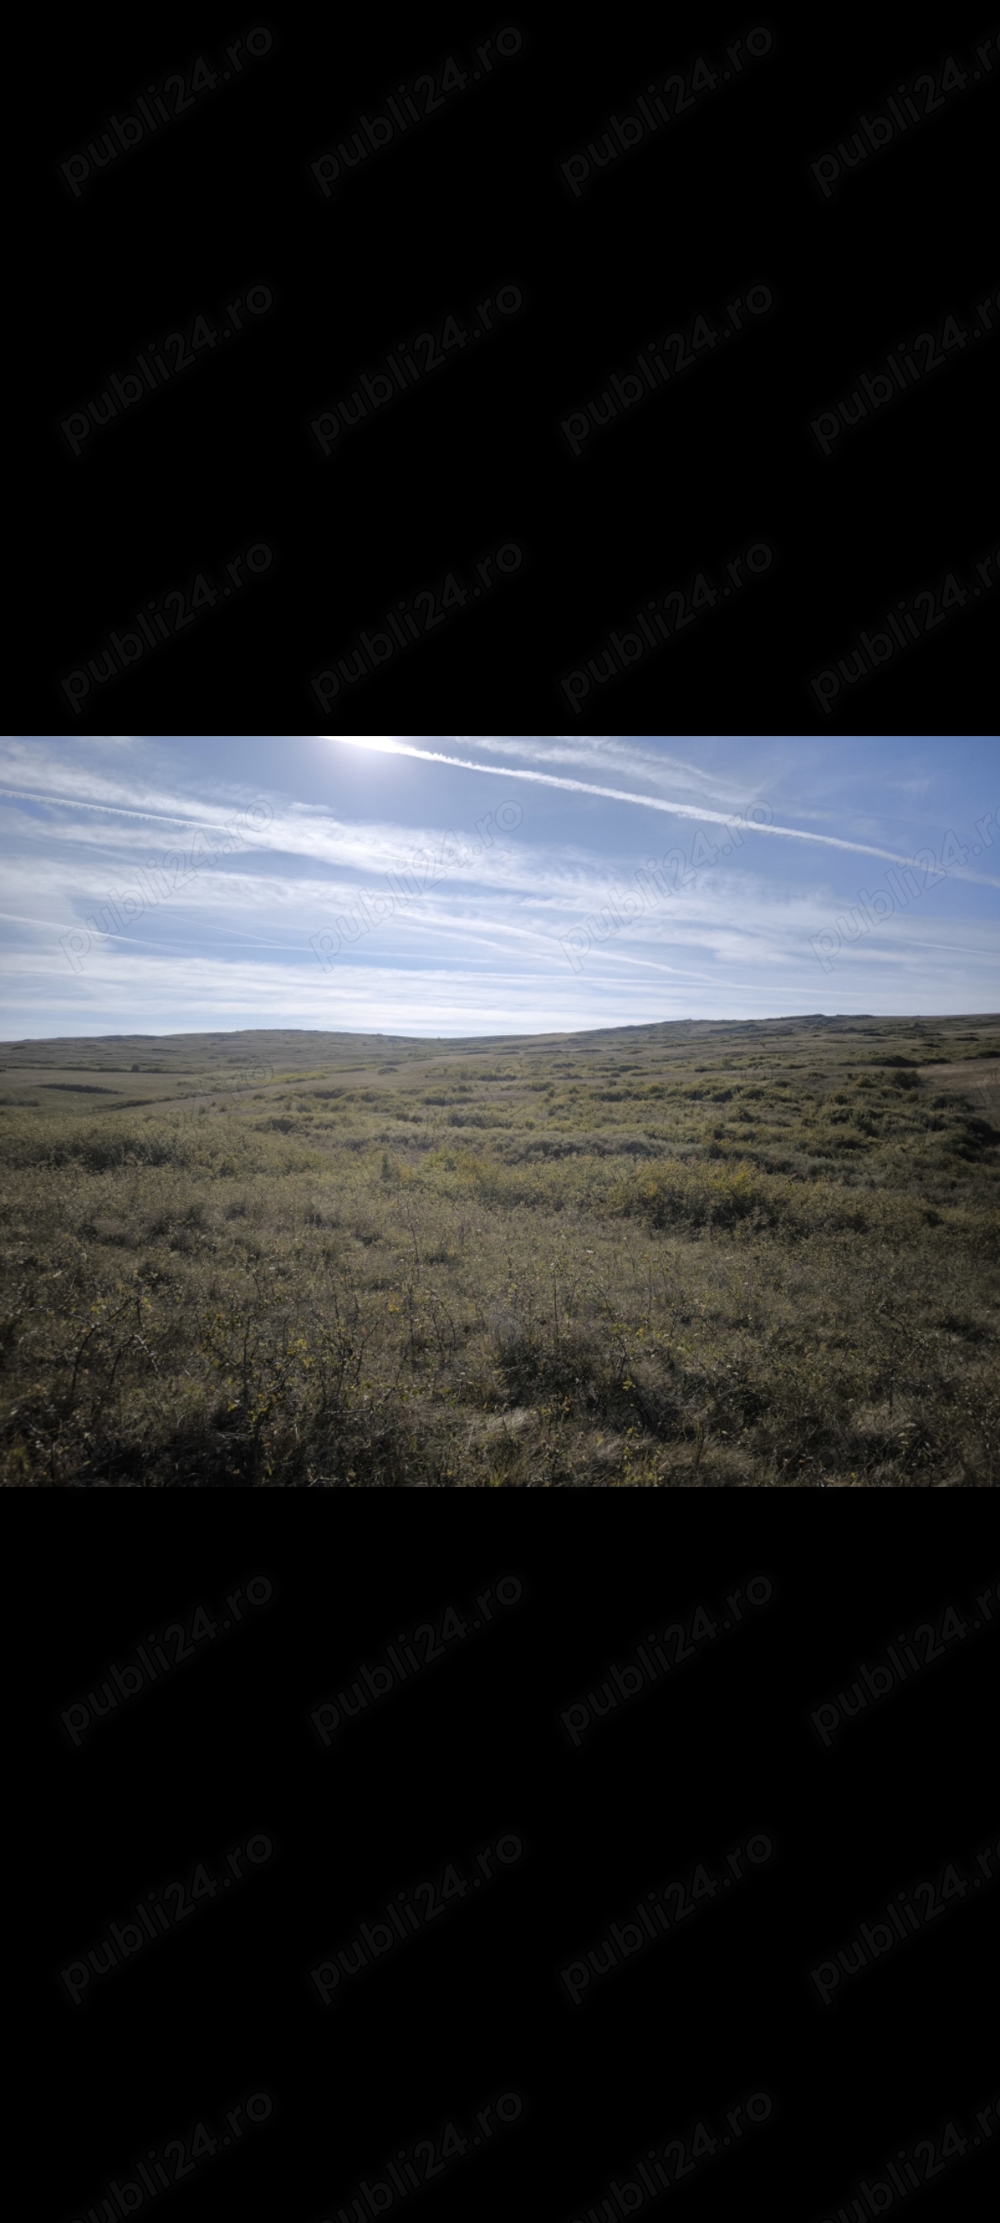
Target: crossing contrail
x,y
390,746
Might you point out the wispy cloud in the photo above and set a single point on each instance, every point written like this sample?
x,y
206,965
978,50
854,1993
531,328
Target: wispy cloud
x,y
647,802
606,753
477,948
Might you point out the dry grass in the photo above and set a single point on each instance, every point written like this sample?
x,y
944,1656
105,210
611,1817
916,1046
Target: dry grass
x,y
684,1255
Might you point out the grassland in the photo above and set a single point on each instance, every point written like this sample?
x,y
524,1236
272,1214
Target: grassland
x,y
689,1255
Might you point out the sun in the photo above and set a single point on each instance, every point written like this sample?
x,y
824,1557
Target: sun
x,y
386,742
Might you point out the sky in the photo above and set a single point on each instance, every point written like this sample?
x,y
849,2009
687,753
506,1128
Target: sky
x,y
464,885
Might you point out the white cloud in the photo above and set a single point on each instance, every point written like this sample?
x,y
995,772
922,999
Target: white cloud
x,y
481,949
654,802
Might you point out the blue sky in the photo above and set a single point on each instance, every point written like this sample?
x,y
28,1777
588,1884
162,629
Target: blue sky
x,y
461,885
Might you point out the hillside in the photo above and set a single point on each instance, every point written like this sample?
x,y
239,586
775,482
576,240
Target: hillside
x,y
696,1254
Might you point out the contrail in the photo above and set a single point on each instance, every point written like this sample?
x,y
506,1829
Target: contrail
x,y
392,747
112,810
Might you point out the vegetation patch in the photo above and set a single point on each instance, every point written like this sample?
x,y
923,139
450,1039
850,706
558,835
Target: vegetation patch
x,y
443,1270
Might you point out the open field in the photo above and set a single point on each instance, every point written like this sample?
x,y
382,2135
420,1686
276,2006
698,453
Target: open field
x,y
698,1254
